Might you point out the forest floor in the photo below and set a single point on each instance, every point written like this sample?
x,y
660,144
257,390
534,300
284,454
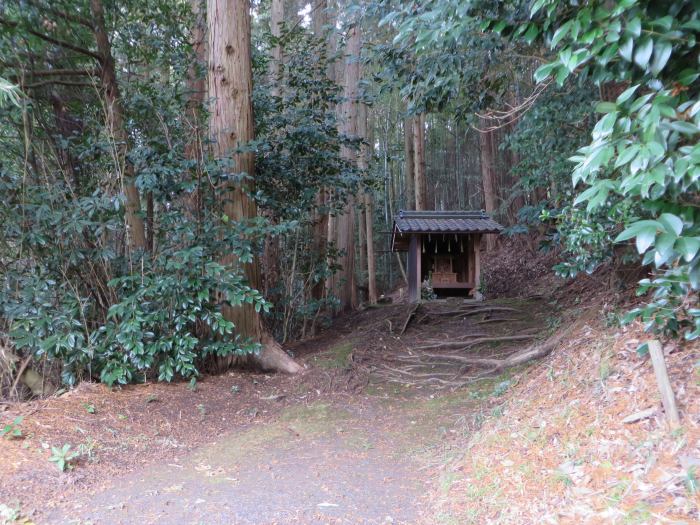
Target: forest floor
x,y
383,428
344,443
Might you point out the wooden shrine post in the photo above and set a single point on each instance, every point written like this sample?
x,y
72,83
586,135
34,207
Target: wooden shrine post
x,y
477,265
414,269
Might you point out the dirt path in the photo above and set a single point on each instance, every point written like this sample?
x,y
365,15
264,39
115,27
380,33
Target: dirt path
x,y
347,443
315,464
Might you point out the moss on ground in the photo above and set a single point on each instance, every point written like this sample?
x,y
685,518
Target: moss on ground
x,y
311,420
337,356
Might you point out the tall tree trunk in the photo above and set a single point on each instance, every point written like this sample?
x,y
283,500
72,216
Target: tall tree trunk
x,y
116,126
197,91
231,124
363,164
66,125
488,176
320,228
419,161
362,244
347,294
319,17
276,21
271,250
409,172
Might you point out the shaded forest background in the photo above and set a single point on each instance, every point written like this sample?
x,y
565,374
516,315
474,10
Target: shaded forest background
x,y
146,237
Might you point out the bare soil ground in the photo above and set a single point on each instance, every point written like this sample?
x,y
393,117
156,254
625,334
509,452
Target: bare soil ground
x,y
582,438
348,442
390,424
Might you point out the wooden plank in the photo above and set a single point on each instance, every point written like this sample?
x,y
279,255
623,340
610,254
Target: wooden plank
x,y
477,264
414,269
452,285
656,352
470,258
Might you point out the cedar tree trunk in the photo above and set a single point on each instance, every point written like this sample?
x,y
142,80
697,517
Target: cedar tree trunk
x,y
487,177
419,161
231,124
409,172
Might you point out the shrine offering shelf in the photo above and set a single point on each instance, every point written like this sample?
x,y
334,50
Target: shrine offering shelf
x,y
452,285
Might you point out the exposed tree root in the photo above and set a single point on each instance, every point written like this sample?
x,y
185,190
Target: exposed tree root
x,y
454,351
410,315
451,370
462,345
497,320
517,359
273,358
467,312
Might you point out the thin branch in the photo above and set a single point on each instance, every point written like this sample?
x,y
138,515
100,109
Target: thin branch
x,y
56,41
63,72
58,81
512,113
56,12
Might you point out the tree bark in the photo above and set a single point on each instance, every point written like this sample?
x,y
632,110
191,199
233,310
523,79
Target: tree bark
x,y
276,21
409,172
487,177
320,228
319,17
231,124
197,91
197,81
362,242
347,293
117,129
363,164
271,250
419,161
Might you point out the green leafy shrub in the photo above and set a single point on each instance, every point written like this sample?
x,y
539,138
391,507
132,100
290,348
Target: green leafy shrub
x,y
73,292
63,457
637,181
12,430
642,168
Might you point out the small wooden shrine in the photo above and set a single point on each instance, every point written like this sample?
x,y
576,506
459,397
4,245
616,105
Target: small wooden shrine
x,y
443,249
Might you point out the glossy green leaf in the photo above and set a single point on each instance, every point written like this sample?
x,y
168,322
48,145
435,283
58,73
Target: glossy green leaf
x,y
671,223
688,247
626,94
643,52
626,49
662,52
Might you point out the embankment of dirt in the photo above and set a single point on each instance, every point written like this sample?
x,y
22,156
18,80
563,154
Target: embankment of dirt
x,y
582,437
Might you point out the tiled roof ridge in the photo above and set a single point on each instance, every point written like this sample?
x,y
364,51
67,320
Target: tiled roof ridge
x,y
439,214
445,222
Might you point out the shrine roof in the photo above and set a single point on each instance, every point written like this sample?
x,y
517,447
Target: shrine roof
x,y
445,222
